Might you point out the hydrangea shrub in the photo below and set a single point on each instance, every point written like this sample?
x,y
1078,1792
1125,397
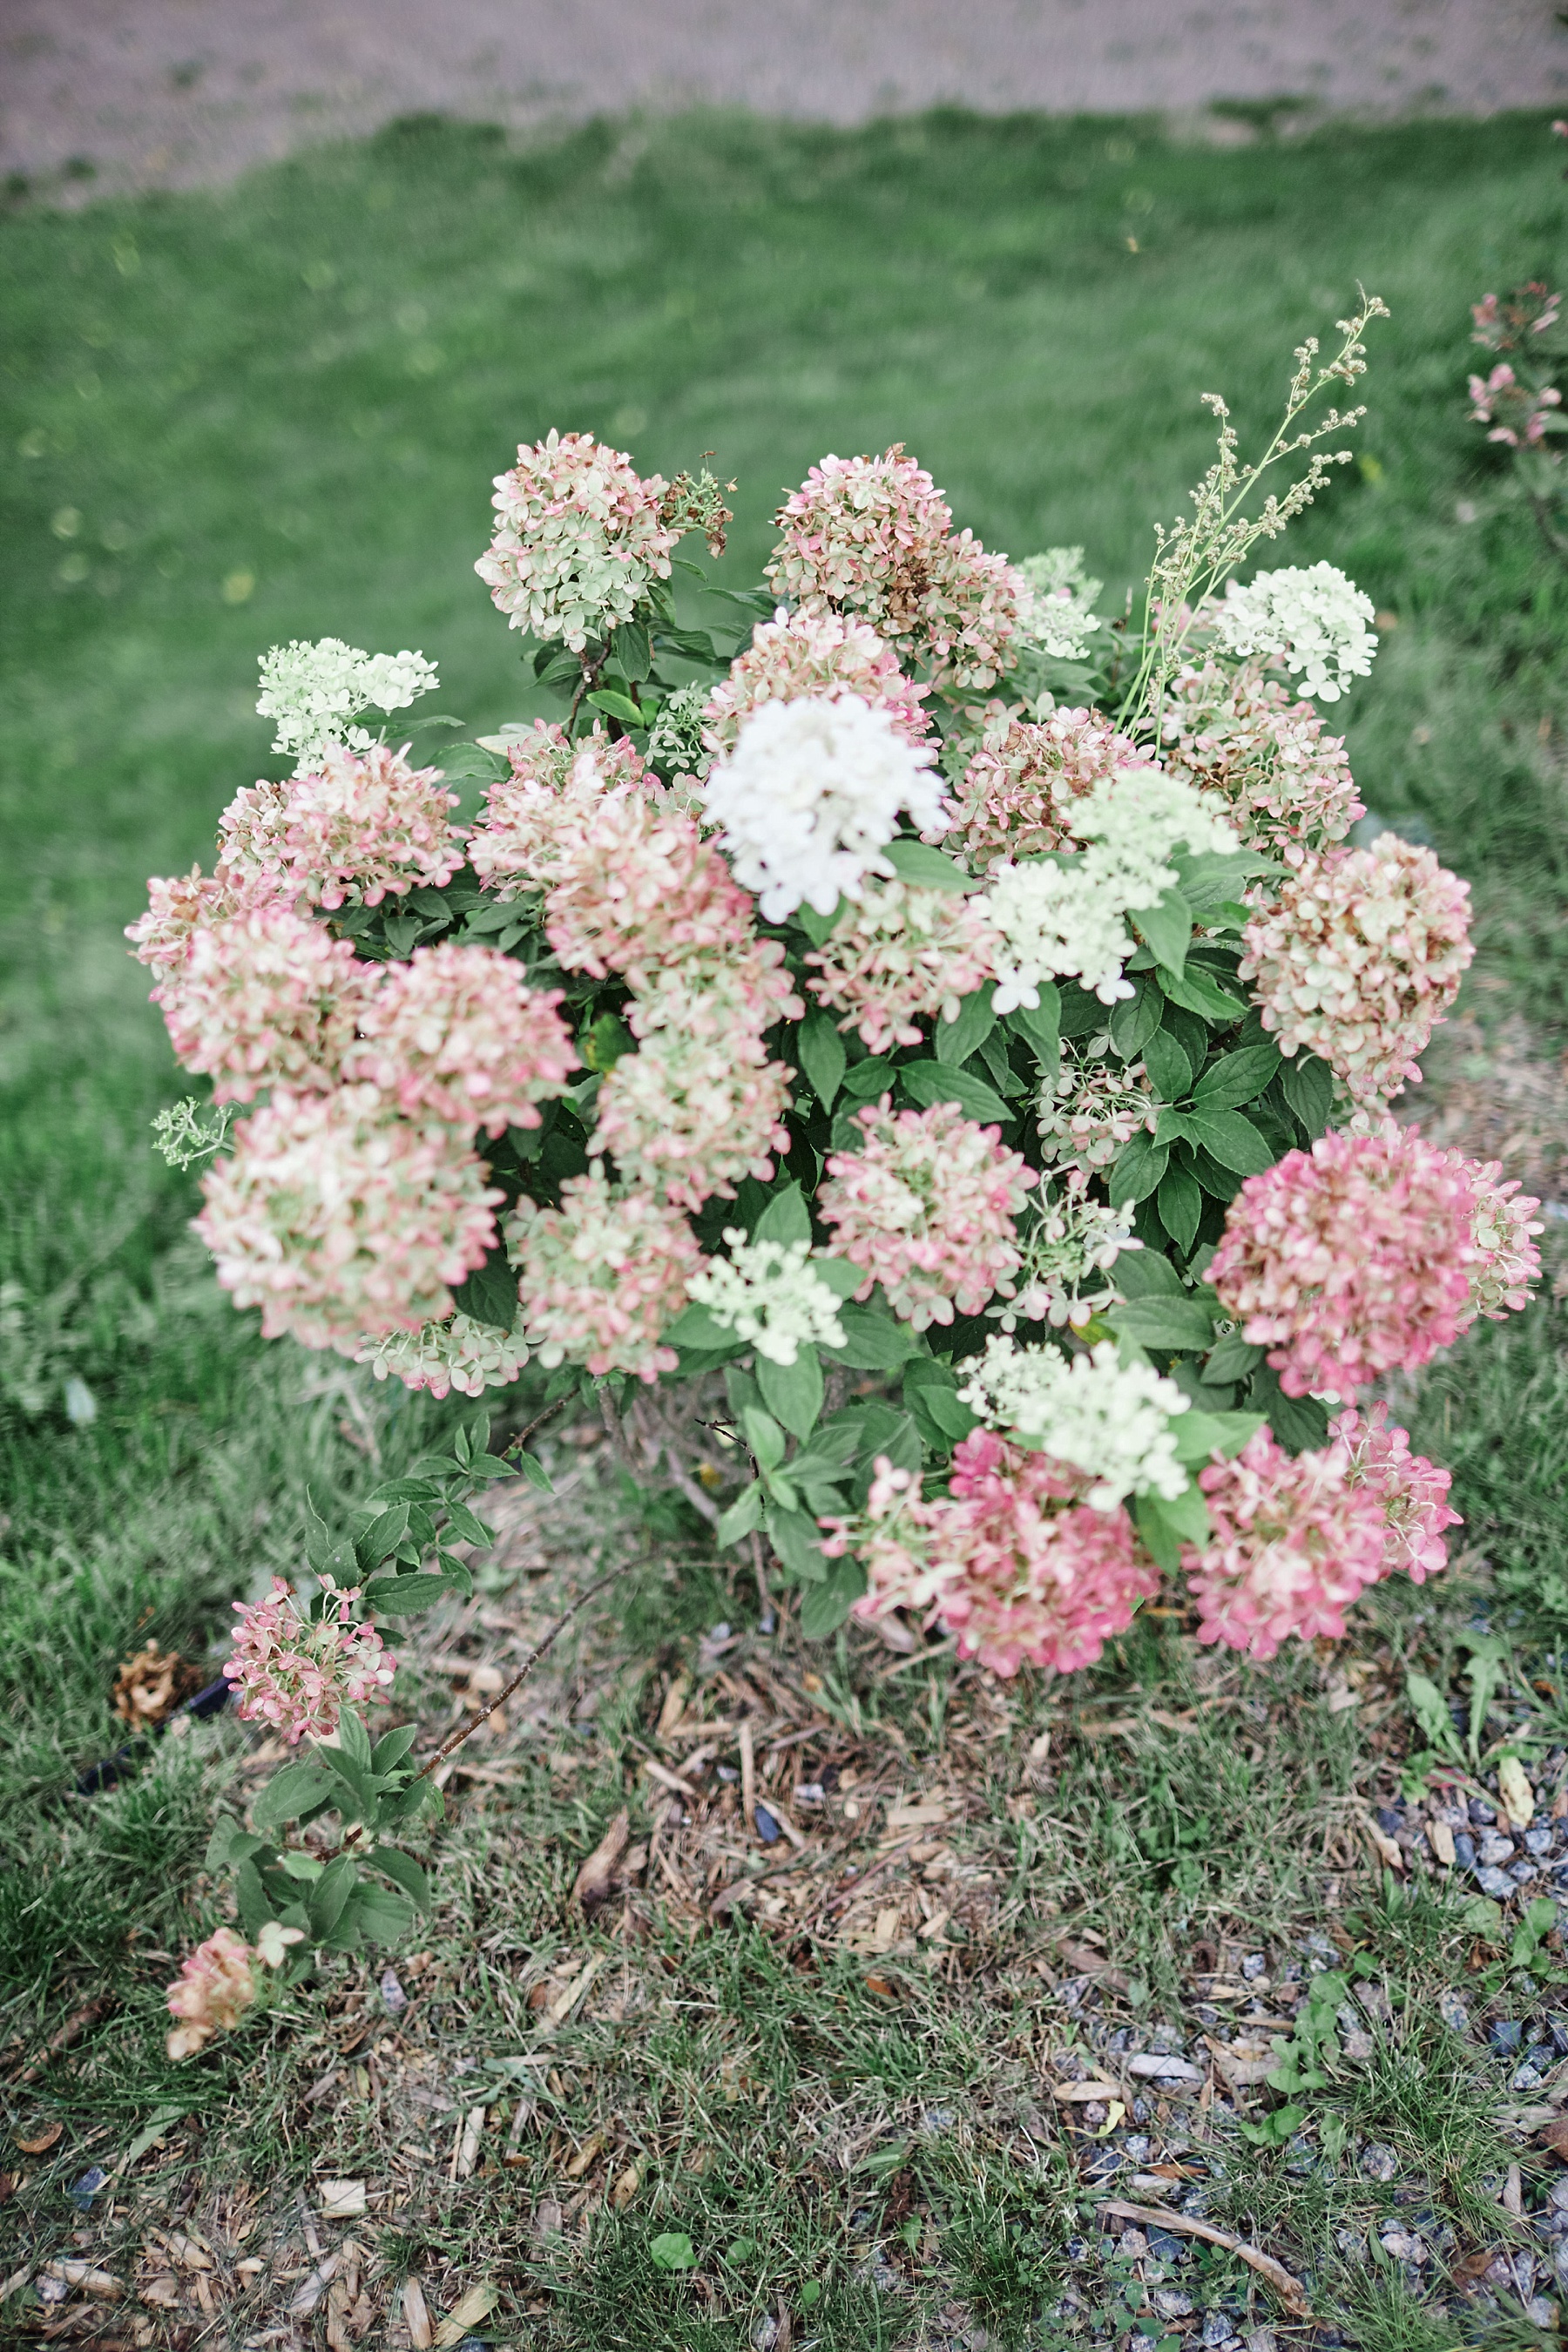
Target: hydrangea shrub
x,y
922,1068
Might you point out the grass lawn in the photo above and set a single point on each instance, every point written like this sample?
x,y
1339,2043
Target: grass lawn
x,y
273,412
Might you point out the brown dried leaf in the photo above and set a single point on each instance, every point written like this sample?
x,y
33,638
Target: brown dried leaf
x,y
40,2140
1555,2137
593,1882
151,1686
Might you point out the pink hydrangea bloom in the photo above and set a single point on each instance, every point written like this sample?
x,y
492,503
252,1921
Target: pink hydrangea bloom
x,y
1017,792
814,655
701,1105
602,1276
342,1221
1011,1562
1295,1542
1240,735
299,1675
578,537
1499,398
454,1034
1412,1491
1092,1106
183,904
926,1207
221,1980
368,824
900,955
531,817
464,1354
635,888
1506,1260
1358,960
268,998
1350,1260
871,536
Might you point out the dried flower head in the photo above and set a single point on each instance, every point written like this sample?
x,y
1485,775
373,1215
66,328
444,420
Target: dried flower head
x,y
216,1986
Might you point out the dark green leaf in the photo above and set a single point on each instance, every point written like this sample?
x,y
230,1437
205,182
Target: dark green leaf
x,y
392,1747
1231,1139
798,1540
869,1079
229,1844
793,1392
617,706
822,1055
837,1274
1167,1066
296,1789
764,1435
817,927
1167,928
534,1471
1236,1078
1197,992
325,1901
404,1871
954,1041
695,1327
470,762
825,1606
742,1518
382,1916
1081,1014
786,1218
400,1596
1137,1170
1166,1323
1148,1274
1041,1025
1210,877
929,1083
928,869
1217,1181
1180,1202
1232,1358
489,1294
1301,1423
633,651
1199,1434
873,1341
931,1392
1160,1539
1134,1020
381,1538
1309,1085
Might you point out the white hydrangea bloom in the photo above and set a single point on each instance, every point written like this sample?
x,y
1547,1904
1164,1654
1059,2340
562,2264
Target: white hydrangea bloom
x,y
766,1293
1066,1255
461,1354
1311,622
1058,617
810,797
1106,1418
1062,916
312,691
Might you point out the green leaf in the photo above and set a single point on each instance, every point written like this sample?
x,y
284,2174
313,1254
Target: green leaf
x,y
1200,1435
534,1471
673,2250
873,1341
1430,1709
633,651
1236,1078
617,706
1170,1324
1197,992
817,927
822,1055
382,1916
928,869
1218,1182
326,1899
1134,1020
742,1519
929,1083
404,1871
838,1274
826,1606
1166,927
1147,1274
1232,1358
229,1844
1180,1202
392,1747
1309,1089
296,1789
798,1540
1159,1539
764,1437
1301,1423
1168,1066
694,1327
464,1525
931,1392
873,1076
1041,1026
1231,1139
786,1218
400,1596
792,1392
382,1536
954,1041
1137,1170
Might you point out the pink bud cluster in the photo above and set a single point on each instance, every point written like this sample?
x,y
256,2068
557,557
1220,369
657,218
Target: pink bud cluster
x,y
531,814
263,999
1359,958
221,1980
1240,735
1412,1491
1011,1560
1295,1542
900,955
1019,790
602,1275
342,1220
182,904
1519,414
299,1674
455,1036
816,656
1366,1255
367,824
579,534
873,536
926,1208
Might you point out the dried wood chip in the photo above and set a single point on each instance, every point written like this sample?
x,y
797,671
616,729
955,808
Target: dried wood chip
x,y
86,2279
585,2156
1290,2291
309,2293
465,2155
626,2187
191,2253
340,2199
164,2291
1440,1838
1076,2094
1514,1789
1382,1844
571,1993
477,2305
593,1883
416,2316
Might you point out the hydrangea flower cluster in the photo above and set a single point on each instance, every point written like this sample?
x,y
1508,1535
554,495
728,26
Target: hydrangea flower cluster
x,y
811,796
1009,1562
1094,1106
454,1034
357,828
898,955
813,655
341,1219
1361,1257
1057,615
464,1354
1067,1252
265,999
926,1208
1295,1542
1358,959
1111,1421
1312,622
216,1986
696,1111
766,1293
579,536
182,904
1242,737
603,1276
1412,1491
533,815
1501,1234
1020,790
1519,414
634,889
677,739
299,1673
313,691
871,536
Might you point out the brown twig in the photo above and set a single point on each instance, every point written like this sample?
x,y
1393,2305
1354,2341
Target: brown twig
x,y
1290,2291
73,2029
517,1445
483,1713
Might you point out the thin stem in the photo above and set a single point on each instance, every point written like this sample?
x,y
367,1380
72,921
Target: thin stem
x,y
519,1443
481,1715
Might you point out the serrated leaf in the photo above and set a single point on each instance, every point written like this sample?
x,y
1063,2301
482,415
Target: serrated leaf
x,y
873,1342
1197,992
1236,1078
798,1540
1199,1434
930,1083
406,1872
1166,927
1041,1026
793,1392
534,1471
1134,1020
786,1218
1231,1139
953,1042
381,1538
1137,1170
1232,1358
1301,1423
867,1079
294,1790
1147,1274
822,1055
916,862
326,1899
694,1327
837,1274
940,1412
617,706
400,1596
382,1916
1308,1085
1180,1201
229,1844
1172,1324
825,1606
1167,1066
764,1437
